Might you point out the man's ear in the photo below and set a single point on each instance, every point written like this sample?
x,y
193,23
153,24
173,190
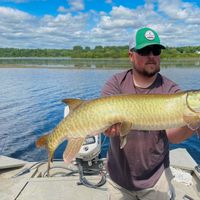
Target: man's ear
x,y
131,56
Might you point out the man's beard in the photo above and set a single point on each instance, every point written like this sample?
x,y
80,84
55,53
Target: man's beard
x,y
147,73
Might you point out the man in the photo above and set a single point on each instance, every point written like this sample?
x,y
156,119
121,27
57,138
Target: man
x,y
141,169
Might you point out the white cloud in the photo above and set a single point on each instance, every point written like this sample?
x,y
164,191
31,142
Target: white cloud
x,y
119,17
178,10
62,9
122,18
13,14
175,9
21,30
194,16
177,24
170,21
76,5
62,30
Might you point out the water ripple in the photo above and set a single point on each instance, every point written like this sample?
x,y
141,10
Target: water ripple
x,y
31,104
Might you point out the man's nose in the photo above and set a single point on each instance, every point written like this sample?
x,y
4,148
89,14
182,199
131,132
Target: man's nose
x,y
151,54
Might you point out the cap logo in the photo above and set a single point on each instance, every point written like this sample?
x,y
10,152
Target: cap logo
x,y
149,35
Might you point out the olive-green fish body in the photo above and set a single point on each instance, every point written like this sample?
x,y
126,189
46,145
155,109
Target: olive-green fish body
x,y
139,112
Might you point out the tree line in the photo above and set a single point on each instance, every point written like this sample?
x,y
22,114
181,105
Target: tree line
x,y
97,52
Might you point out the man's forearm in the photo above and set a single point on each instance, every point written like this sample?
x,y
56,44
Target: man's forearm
x,y
177,135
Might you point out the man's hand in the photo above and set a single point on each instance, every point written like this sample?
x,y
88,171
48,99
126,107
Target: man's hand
x,y
113,130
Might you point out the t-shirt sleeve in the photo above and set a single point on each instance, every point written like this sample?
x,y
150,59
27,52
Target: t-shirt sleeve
x,y
170,87
174,89
111,87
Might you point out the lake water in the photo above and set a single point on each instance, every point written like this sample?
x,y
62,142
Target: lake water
x,y
30,104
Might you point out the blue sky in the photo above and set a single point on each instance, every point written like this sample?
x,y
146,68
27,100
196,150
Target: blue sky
x,y
66,23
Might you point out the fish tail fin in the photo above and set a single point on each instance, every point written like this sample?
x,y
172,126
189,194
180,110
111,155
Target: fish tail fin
x,y
42,141
73,147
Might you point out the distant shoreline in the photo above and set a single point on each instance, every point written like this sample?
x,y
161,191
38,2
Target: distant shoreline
x,y
87,63
97,52
12,66
86,58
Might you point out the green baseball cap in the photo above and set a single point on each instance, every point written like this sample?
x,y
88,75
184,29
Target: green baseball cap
x,y
145,37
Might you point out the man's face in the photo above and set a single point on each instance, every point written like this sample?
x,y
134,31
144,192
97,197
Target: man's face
x,y
146,61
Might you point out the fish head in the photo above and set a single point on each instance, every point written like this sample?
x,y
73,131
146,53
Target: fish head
x,y
193,101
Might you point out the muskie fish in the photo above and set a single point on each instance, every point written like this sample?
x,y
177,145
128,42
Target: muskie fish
x,y
139,112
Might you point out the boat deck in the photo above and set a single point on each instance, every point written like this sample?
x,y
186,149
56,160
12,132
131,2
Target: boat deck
x,y
32,185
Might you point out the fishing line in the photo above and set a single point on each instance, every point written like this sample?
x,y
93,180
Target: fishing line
x,y
196,130
190,108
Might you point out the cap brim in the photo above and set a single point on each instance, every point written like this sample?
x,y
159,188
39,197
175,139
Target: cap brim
x,y
149,44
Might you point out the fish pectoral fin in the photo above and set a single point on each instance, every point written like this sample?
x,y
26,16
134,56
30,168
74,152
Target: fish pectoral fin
x,y
73,103
123,141
193,122
124,129
73,147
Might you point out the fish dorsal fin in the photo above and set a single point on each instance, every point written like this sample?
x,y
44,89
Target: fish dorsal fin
x,y
73,103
